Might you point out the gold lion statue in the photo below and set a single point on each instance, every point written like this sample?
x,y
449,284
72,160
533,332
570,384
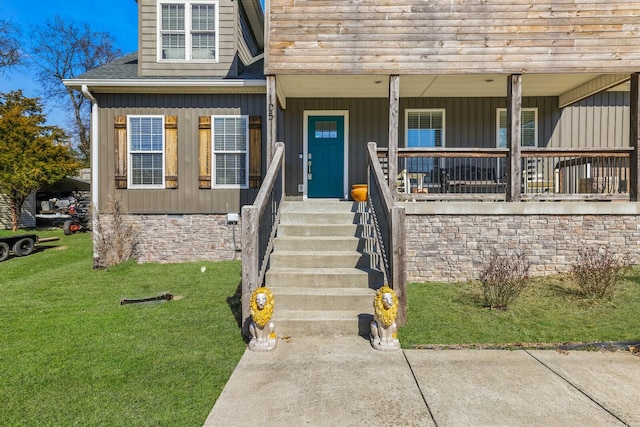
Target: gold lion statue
x,y
263,337
384,332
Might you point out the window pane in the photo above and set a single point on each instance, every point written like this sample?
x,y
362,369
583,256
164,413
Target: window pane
x,y
203,17
425,128
230,134
230,141
173,46
527,129
146,133
146,169
204,46
326,129
230,169
172,17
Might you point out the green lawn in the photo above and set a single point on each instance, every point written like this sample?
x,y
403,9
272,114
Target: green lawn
x,y
70,354
547,312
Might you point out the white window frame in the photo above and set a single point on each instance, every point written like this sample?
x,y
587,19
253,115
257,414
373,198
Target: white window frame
x,y
188,30
424,110
131,152
214,153
424,163
535,110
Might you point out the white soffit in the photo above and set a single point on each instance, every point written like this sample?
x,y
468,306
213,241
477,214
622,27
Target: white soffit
x,y
375,86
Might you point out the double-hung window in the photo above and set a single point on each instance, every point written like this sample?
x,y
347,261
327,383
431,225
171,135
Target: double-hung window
x,y
146,151
188,30
425,129
230,136
528,125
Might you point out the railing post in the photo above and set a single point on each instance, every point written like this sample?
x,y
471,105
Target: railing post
x,y
250,261
398,268
634,139
272,118
514,111
392,156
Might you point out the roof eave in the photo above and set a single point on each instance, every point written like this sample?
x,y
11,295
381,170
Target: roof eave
x,y
169,85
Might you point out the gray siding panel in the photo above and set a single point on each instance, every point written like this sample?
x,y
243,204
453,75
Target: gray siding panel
x,y
602,120
27,216
368,121
187,198
149,66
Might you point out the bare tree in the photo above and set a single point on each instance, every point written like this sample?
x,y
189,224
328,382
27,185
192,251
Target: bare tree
x,y
63,50
9,46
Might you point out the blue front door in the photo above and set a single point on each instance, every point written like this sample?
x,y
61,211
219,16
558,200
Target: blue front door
x,y
325,167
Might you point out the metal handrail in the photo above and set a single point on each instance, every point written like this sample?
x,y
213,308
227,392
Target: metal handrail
x,y
389,227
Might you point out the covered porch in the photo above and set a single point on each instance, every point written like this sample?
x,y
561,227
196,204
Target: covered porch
x,y
489,137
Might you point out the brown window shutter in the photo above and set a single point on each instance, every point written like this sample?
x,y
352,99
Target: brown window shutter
x,y
120,124
255,151
171,151
204,151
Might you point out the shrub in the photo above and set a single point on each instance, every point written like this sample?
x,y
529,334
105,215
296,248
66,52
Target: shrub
x,y
503,279
115,238
598,273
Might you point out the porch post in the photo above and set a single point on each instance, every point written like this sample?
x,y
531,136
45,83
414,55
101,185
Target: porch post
x,y
272,115
392,154
514,111
634,139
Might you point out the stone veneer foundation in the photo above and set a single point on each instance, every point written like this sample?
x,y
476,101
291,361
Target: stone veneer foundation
x,y
185,237
452,242
445,242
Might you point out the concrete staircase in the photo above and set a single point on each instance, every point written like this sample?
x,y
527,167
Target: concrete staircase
x,y
320,273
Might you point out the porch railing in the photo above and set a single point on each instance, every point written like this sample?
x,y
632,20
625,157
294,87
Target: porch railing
x,y
259,225
481,174
389,227
586,174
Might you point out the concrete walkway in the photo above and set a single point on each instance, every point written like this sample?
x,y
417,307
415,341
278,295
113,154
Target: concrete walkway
x,y
343,381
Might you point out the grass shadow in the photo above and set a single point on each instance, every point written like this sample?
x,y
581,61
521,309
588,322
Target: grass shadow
x,y
470,294
235,305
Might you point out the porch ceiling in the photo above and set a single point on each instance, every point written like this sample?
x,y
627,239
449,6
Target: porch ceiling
x,y
376,86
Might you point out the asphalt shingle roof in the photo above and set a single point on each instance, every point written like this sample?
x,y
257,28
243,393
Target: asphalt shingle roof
x,y
126,68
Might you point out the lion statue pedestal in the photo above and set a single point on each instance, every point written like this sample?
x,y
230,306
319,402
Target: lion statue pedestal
x,y
384,331
263,336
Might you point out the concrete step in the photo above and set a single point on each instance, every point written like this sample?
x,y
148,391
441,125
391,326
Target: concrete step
x,y
296,323
324,277
322,205
315,218
349,230
318,243
314,259
289,298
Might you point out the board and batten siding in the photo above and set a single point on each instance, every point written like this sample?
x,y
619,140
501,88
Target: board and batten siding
x,y
368,120
188,198
601,120
148,64
452,36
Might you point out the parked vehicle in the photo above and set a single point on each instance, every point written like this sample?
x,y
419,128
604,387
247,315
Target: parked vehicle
x,y
70,213
22,245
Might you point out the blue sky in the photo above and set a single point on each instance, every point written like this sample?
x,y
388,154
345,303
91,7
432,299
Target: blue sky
x,y
117,17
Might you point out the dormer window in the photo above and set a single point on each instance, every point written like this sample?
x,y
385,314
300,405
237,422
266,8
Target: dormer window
x,y
188,31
